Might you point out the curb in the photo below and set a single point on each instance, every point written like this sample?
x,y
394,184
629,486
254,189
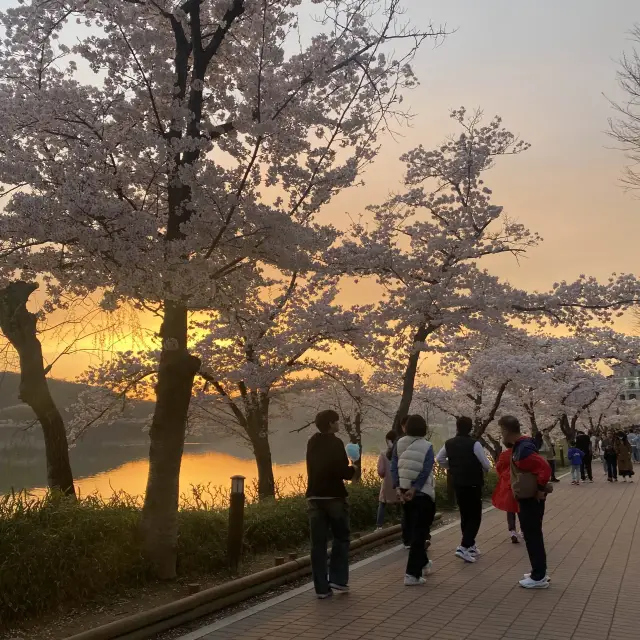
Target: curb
x,y
145,624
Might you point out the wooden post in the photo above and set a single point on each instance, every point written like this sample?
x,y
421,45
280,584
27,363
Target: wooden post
x,y
236,523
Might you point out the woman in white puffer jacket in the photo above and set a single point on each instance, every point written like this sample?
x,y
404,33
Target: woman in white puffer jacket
x,y
412,472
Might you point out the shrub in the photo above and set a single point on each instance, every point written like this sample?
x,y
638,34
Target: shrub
x,y
56,552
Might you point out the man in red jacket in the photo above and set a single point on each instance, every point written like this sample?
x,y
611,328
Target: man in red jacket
x,y
527,461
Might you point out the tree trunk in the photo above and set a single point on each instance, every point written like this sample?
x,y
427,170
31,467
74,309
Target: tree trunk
x,y
567,429
173,394
409,380
492,445
258,432
20,328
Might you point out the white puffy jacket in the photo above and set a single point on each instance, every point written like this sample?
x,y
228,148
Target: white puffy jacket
x,y
412,452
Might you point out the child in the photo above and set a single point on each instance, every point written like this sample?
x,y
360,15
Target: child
x,y
503,497
387,492
412,470
327,469
575,456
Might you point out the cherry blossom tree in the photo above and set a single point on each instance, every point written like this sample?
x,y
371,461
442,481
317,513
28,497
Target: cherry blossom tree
x,y
254,349
426,246
175,144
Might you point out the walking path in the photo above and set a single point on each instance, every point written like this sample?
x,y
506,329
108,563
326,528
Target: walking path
x,y
593,545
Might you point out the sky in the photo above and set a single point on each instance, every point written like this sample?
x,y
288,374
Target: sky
x,y
548,68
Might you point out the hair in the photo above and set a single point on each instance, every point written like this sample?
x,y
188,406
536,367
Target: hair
x,y
390,437
464,425
325,419
416,426
510,424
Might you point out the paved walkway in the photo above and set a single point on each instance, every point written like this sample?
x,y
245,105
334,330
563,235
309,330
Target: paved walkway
x,y
593,544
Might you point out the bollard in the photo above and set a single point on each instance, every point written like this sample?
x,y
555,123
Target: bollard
x,y
278,561
236,523
293,556
193,588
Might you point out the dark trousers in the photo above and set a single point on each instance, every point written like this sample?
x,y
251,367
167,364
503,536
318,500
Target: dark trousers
x,y
326,516
511,521
531,516
552,464
585,467
419,513
382,510
470,504
612,467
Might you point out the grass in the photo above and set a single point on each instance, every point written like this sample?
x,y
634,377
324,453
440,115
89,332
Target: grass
x,y
56,553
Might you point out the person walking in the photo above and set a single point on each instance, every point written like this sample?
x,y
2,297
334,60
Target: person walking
x,y
635,445
583,442
503,497
610,457
575,456
623,456
530,475
388,494
412,469
548,451
467,463
327,469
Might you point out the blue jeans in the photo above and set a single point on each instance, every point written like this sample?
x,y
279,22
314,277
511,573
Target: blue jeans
x,y
326,516
575,472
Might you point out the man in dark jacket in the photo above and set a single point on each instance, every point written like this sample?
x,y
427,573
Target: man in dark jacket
x,y
467,463
526,461
327,469
583,442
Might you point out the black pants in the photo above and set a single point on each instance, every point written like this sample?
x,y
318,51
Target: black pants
x,y
511,521
552,464
326,516
419,514
612,467
531,516
470,505
585,467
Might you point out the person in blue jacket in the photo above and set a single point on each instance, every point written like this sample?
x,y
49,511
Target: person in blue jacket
x,y
575,457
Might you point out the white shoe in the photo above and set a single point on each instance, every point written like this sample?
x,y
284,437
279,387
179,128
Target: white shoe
x,y
528,583
464,554
514,537
547,577
474,551
428,568
407,546
412,581
340,588
379,528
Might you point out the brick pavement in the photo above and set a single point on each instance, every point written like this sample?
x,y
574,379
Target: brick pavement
x,y
593,546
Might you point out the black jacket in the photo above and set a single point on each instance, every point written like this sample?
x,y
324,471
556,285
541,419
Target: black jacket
x,y
327,467
583,442
464,467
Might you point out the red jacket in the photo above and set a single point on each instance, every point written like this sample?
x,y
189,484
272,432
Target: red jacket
x,y
503,498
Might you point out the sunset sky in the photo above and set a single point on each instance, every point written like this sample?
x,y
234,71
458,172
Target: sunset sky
x,y
547,68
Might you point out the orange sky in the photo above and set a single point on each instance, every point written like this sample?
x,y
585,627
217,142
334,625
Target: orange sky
x,y
544,67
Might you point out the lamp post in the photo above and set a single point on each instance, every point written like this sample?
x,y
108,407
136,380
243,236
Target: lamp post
x,y
236,522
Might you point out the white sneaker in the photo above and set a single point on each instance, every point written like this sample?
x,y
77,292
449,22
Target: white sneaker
x,y
340,588
428,568
528,583
547,577
514,537
474,551
412,581
407,546
464,554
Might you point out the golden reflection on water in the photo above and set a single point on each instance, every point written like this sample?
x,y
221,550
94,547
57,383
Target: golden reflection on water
x,y
212,468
